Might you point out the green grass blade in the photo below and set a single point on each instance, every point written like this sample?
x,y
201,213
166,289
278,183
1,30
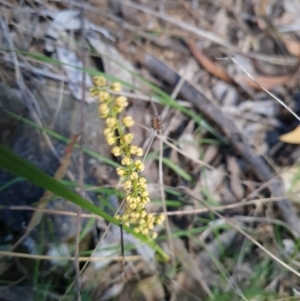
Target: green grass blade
x,y
11,182
19,167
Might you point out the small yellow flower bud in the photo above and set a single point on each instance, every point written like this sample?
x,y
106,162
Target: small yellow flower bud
x,y
142,180
127,185
103,108
121,101
133,149
120,171
154,235
111,140
134,176
150,217
107,131
111,122
143,214
125,217
116,151
132,206
93,91
139,165
129,199
104,114
127,138
160,219
145,200
126,161
145,193
103,96
145,231
128,121
137,230
132,219
139,152
116,87
109,135
117,109
99,81
150,226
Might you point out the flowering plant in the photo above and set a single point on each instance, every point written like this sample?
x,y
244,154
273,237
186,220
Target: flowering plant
x,y
111,105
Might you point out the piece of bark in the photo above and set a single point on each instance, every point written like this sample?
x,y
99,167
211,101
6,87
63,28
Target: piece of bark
x,y
233,134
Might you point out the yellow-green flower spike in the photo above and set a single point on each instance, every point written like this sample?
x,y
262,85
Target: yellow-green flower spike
x,y
117,135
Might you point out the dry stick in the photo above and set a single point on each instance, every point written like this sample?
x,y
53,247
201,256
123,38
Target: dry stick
x,y
161,181
179,212
81,158
69,258
149,145
234,135
59,103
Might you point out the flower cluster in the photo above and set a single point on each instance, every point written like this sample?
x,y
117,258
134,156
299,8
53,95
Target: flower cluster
x,y
116,133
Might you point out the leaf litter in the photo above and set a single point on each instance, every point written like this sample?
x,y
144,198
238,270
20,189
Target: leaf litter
x,y
263,37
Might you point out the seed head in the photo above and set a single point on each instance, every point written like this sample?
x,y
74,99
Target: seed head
x,y
156,123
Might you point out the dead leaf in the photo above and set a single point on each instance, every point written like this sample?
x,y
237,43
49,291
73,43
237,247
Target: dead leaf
x,y
266,82
118,66
62,21
235,182
221,24
188,143
211,66
72,66
152,288
292,137
225,93
210,153
293,47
